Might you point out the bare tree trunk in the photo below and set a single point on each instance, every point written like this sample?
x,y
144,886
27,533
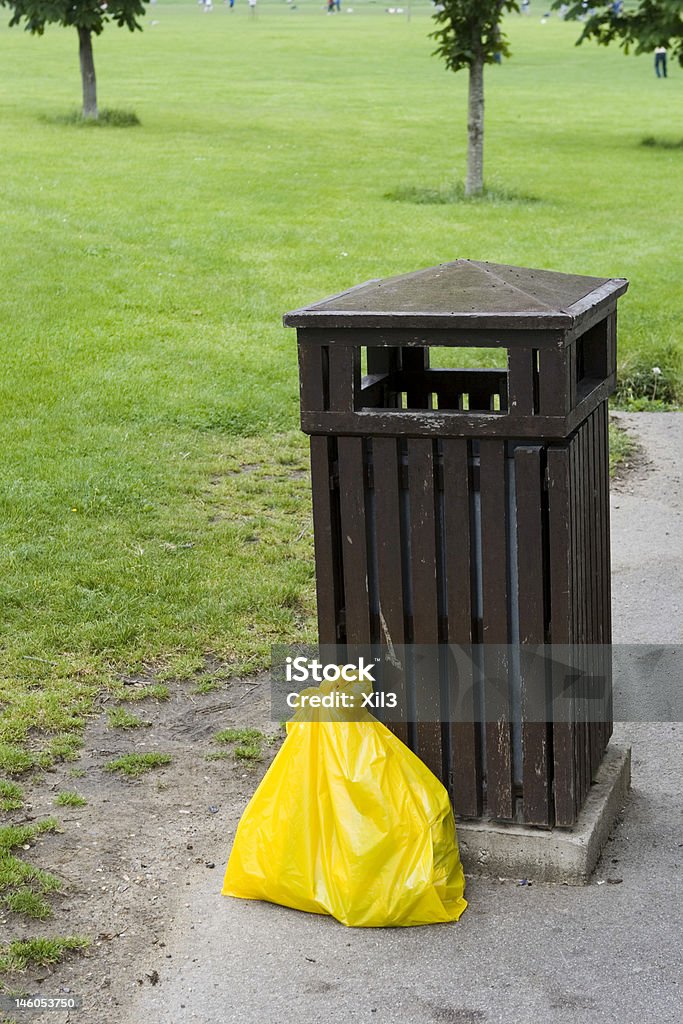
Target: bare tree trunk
x,y
87,73
475,129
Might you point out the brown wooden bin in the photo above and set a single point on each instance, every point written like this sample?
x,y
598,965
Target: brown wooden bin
x,y
468,506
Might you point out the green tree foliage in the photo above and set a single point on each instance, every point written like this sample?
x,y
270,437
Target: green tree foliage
x,y
648,24
469,36
88,17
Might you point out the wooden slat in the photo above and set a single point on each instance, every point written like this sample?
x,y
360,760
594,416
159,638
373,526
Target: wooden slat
x,y
584,595
326,542
435,423
439,334
495,628
560,572
391,584
603,567
344,379
578,600
312,368
591,595
414,361
385,361
611,344
600,556
607,575
465,733
553,382
423,573
521,382
535,730
588,597
572,355
354,540
594,705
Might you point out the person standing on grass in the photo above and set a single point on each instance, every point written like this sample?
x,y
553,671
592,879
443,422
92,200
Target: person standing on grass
x,y
252,8
660,62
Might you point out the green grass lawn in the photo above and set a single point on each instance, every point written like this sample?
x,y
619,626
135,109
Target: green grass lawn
x,y
153,495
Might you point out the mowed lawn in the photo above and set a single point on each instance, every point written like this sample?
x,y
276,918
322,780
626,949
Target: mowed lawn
x,y
154,502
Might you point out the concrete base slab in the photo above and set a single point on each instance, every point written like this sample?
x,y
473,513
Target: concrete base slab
x,y
554,855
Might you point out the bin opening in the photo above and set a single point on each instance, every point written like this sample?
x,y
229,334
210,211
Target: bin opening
x,y
403,379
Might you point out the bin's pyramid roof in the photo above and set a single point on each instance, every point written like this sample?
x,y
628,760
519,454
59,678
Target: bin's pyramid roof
x,y
464,293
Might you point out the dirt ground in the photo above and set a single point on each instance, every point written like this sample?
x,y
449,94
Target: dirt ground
x,y
127,856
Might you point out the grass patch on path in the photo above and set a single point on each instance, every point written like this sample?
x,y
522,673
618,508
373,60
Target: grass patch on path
x,y
135,765
39,952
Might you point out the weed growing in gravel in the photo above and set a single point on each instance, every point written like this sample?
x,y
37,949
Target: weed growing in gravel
x,y
120,718
135,765
30,904
11,797
39,952
23,886
67,798
249,742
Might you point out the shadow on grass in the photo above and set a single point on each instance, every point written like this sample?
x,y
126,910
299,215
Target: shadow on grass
x,y
451,193
653,143
107,119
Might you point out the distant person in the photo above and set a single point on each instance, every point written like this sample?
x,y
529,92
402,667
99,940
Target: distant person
x,y
660,62
337,4
252,8
330,6
525,6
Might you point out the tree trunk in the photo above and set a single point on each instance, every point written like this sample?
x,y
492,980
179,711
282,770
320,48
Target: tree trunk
x,y
475,129
87,73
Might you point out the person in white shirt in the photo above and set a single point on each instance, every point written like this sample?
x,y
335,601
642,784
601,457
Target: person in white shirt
x,y
660,62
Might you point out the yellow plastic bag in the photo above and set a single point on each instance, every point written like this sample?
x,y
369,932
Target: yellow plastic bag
x,y
349,822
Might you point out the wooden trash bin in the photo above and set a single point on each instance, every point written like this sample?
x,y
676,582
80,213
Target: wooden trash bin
x,y
457,506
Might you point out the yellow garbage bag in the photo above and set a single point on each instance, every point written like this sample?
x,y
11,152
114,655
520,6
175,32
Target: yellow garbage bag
x,y
349,822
